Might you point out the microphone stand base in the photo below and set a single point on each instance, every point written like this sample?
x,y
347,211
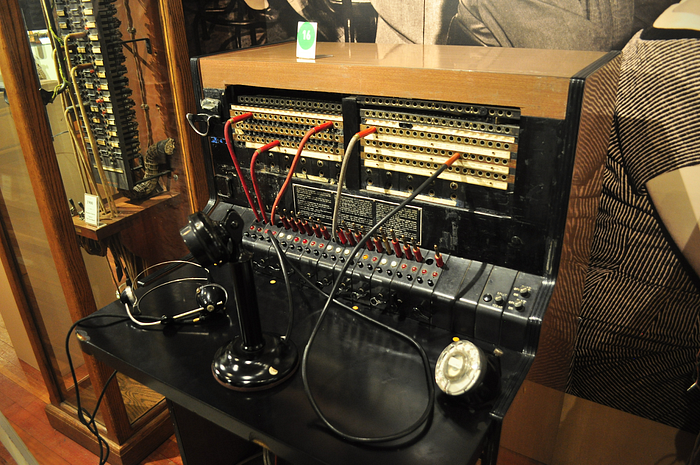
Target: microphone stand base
x,y
241,370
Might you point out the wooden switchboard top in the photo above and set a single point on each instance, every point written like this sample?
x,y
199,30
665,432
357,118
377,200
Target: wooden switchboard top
x,y
536,81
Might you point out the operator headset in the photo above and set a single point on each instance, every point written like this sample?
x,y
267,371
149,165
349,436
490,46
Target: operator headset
x,y
210,296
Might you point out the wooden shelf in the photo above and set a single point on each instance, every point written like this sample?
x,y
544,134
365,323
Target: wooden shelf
x,y
129,212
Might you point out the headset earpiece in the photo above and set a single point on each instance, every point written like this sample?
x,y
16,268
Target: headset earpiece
x,y
212,297
127,296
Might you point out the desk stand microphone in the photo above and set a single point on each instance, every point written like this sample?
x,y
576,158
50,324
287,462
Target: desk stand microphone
x,y
254,360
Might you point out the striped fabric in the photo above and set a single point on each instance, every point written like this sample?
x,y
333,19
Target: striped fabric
x,y
639,328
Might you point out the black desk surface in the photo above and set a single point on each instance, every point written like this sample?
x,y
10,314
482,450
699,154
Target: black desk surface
x,y
366,381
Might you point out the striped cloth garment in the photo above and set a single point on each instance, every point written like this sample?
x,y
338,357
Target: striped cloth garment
x,y
639,328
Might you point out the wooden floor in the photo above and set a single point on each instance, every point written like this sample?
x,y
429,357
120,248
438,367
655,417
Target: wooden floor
x,y
22,399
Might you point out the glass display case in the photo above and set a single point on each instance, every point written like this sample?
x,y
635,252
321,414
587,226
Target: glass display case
x,y
95,104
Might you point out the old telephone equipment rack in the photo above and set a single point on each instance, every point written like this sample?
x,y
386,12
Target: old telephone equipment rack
x,y
477,253
490,295
90,31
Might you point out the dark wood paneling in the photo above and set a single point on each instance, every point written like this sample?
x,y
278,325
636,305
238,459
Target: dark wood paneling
x,y
173,24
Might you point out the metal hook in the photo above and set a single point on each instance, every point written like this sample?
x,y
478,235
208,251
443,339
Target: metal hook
x,y
200,118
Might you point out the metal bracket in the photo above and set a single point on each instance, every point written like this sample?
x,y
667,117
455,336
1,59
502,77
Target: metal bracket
x,y
149,50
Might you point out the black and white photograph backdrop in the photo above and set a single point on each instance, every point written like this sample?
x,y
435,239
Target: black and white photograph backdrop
x,y
603,25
